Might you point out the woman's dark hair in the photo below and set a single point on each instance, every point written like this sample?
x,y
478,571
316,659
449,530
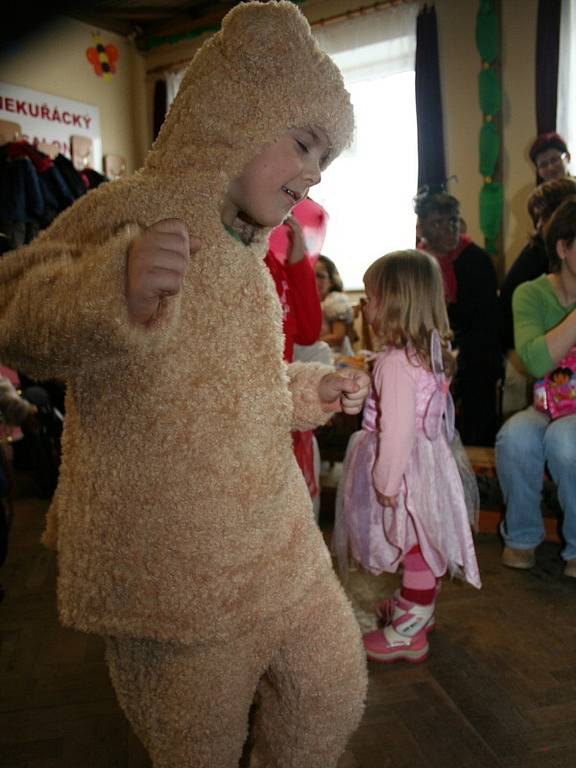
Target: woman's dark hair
x,y
547,141
430,201
547,197
336,283
562,226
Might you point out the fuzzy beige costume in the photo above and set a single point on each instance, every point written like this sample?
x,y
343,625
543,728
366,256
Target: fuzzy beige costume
x,y
183,526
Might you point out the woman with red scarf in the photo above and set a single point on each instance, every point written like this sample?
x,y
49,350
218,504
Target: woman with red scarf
x,y
470,287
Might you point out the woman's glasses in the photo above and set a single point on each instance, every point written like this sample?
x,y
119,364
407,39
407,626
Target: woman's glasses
x,y
443,222
547,162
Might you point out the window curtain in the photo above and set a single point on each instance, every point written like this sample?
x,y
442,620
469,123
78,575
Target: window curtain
x,y
375,53
165,90
547,54
173,80
378,44
431,158
566,108
159,109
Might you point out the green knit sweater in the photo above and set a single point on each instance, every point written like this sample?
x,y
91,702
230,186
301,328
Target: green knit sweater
x,y
536,310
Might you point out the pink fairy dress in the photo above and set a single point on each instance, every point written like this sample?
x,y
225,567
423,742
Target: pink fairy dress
x,y
407,448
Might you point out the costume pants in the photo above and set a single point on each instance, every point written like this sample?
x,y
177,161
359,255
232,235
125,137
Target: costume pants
x,y
524,445
190,704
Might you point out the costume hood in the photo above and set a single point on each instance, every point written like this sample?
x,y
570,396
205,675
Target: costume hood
x,y
260,75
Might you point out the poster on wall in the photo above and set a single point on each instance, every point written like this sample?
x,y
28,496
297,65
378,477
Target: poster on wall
x,y
52,119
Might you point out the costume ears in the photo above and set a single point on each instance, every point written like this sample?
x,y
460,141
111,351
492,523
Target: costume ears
x,y
265,35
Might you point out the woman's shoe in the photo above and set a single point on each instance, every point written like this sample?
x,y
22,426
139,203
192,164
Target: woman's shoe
x,y
522,559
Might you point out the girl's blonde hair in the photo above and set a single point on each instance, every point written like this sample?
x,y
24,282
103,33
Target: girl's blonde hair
x,y
409,294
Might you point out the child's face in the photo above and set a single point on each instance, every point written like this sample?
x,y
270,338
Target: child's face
x,y
560,378
278,178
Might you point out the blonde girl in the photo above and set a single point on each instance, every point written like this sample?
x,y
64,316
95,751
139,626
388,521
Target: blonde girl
x,y
407,494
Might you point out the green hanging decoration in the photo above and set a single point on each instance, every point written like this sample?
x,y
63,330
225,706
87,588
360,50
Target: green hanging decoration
x,y
489,92
489,149
490,99
491,196
487,32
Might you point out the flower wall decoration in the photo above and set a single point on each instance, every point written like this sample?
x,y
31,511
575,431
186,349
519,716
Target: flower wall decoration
x,y
102,57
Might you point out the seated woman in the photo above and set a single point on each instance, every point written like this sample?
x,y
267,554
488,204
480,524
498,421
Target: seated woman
x,y
544,312
530,264
533,259
337,315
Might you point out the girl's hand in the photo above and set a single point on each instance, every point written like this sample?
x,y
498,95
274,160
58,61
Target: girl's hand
x,y
387,501
157,262
344,390
296,250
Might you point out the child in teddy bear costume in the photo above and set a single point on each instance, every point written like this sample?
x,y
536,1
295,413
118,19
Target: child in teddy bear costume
x,y
183,526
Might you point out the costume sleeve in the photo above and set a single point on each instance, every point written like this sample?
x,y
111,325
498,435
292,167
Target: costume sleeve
x,y
304,379
395,386
528,304
63,305
304,300
13,408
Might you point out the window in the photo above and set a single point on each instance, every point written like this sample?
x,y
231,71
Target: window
x,y
368,190
566,110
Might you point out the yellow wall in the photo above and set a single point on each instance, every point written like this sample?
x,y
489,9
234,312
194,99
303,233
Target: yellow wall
x,y
54,61
519,126
460,64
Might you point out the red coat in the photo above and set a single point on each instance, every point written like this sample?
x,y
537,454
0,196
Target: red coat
x,y
298,294
301,323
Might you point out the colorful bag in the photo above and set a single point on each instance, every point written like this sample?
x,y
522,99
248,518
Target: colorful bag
x,y
555,394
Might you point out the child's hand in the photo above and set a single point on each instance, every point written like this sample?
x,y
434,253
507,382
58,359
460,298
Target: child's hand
x,y
296,251
157,262
344,390
387,501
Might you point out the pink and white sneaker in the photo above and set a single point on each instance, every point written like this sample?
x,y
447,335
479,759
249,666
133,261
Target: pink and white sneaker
x,y
385,609
404,638
383,648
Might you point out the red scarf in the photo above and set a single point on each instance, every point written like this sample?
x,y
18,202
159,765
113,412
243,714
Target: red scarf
x,y
447,267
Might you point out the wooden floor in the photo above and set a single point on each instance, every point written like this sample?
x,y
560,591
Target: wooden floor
x,y
499,688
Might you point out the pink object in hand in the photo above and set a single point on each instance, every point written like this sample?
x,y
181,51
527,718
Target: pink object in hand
x,y
313,219
555,394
